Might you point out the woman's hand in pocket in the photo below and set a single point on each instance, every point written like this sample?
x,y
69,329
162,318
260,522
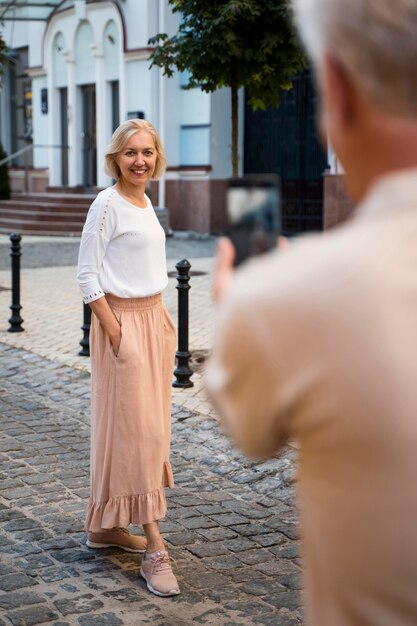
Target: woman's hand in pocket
x,y
115,339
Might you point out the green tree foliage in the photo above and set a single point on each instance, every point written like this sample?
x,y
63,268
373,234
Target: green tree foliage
x,y
233,43
4,176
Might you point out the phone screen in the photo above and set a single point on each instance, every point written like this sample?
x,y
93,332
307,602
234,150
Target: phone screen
x,y
253,213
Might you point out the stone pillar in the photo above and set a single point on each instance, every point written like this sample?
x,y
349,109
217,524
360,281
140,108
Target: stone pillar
x,y
102,112
73,137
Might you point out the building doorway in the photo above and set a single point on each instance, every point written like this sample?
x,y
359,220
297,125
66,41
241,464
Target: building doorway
x,y
115,111
20,106
284,141
89,145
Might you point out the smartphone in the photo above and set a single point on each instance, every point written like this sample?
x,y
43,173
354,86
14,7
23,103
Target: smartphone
x,y
253,214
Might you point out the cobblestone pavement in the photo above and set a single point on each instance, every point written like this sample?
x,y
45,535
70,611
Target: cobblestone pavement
x,y
231,525
52,308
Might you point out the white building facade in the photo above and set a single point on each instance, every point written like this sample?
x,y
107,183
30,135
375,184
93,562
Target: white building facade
x,y
78,73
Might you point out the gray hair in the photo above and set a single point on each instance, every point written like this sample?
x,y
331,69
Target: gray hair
x,y
119,139
375,40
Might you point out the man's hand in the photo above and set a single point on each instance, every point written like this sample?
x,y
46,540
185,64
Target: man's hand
x,y
223,268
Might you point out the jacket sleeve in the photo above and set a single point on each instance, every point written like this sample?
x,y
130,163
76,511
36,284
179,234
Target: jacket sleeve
x,y
244,383
97,232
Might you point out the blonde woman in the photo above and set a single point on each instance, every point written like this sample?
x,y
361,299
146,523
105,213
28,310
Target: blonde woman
x,y
121,274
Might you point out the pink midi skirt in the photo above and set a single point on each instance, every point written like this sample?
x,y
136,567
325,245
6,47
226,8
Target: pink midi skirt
x,y
131,415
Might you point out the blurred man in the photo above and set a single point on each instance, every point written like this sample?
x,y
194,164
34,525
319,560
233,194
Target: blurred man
x,y
320,343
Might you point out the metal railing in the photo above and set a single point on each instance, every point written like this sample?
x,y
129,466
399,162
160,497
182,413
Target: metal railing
x,y
25,151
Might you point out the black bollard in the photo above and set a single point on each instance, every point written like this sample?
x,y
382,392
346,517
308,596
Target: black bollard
x,y
182,372
15,321
85,341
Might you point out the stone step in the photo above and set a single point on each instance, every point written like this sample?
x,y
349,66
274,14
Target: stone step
x,y
54,198
39,228
42,210
52,214
43,216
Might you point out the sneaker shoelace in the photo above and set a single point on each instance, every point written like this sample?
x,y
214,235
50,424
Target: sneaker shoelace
x,y
162,563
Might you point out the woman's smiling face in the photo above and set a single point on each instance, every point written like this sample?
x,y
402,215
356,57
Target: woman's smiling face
x,y
137,160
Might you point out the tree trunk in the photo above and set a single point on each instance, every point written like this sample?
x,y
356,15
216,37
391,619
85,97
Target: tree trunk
x,y
234,94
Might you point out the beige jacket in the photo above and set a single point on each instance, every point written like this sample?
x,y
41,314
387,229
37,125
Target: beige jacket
x,y
319,344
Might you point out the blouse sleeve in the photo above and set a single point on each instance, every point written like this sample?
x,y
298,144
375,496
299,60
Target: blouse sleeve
x,y
97,233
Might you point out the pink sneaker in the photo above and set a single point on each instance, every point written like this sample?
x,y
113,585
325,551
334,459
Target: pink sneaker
x,y
156,570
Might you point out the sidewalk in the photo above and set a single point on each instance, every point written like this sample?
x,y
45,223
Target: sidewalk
x,y
53,312
231,523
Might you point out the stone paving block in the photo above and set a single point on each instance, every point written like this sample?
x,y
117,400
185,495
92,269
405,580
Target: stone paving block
x,y
198,522
21,524
34,562
278,567
285,599
10,445
186,500
82,604
247,607
287,551
229,519
16,493
17,599
253,557
181,539
58,543
37,479
208,580
10,514
244,574
223,563
292,581
11,483
210,509
279,522
168,526
240,543
283,619
22,549
10,582
32,616
179,513
126,595
261,587
217,533
72,556
207,549
212,616
103,619
251,530
248,510
32,535
6,569
271,539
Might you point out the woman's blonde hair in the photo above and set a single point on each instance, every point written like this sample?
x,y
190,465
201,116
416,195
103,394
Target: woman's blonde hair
x,y
119,139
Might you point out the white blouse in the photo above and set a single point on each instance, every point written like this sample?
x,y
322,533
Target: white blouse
x,y
122,250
